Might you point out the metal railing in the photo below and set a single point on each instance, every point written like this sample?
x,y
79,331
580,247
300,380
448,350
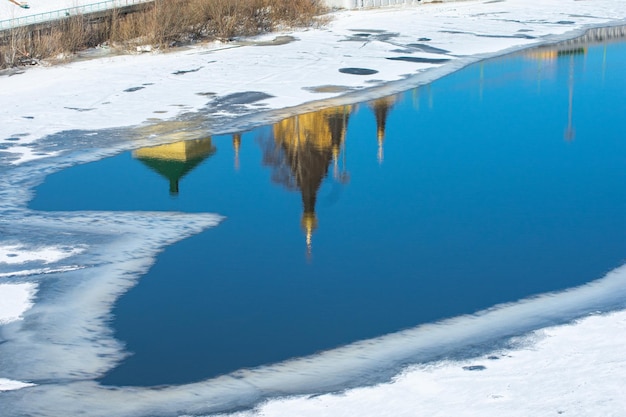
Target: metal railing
x,y
64,13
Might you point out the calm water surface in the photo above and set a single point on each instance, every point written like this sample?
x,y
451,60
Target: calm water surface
x,y
499,182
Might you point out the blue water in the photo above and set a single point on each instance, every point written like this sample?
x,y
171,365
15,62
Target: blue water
x,y
502,181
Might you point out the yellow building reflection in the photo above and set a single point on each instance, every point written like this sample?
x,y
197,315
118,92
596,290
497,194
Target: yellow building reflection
x,y
236,148
310,143
174,161
381,108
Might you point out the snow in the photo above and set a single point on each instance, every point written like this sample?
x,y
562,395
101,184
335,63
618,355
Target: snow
x,y
87,260
16,299
18,254
572,370
130,90
9,385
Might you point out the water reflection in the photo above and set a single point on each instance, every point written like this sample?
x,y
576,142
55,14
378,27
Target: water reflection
x,y
475,201
552,56
381,108
174,161
301,153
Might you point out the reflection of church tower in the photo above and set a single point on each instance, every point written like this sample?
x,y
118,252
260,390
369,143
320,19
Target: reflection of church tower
x,y
236,147
553,54
310,142
569,131
173,161
381,108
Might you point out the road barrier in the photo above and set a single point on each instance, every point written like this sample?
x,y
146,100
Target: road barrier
x,y
65,13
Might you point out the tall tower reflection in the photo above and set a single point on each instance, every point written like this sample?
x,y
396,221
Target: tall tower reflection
x,y
570,133
381,108
553,54
236,148
304,146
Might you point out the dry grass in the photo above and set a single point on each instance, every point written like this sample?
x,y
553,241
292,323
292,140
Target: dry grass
x,y
162,24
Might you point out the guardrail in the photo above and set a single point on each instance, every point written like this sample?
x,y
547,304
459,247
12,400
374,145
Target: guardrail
x,y
64,13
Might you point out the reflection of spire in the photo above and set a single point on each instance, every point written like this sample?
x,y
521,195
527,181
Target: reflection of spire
x,y
381,108
174,161
552,54
309,224
569,132
304,147
236,146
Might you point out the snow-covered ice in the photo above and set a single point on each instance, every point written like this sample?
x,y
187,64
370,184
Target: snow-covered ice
x,y
16,299
16,254
81,262
573,370
212,80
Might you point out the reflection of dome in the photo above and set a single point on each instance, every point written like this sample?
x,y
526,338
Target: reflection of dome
x,y
381,108
308,144
174,161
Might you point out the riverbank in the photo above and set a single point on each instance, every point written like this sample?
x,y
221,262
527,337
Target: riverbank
x,y
306,69
231,87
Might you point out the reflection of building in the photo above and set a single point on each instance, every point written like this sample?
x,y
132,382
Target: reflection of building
x,y
552,54
174,161
236,147
304,147
381,108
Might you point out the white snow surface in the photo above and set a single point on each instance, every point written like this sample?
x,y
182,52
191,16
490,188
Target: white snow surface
x,y
9,385
574,369
17,254
16,299
129,90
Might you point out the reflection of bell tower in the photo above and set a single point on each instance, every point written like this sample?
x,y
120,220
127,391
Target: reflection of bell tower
x,y
236,147
381,108
174,161
309,143
569,131
553,54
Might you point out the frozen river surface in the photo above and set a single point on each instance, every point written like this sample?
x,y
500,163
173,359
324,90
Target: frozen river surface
x,y
423,229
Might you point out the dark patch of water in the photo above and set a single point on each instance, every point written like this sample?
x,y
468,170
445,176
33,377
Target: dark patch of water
x,y
358,71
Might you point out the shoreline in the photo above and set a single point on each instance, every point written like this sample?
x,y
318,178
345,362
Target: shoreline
x,y
318,53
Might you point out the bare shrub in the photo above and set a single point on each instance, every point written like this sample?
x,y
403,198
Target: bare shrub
x,y
162,23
